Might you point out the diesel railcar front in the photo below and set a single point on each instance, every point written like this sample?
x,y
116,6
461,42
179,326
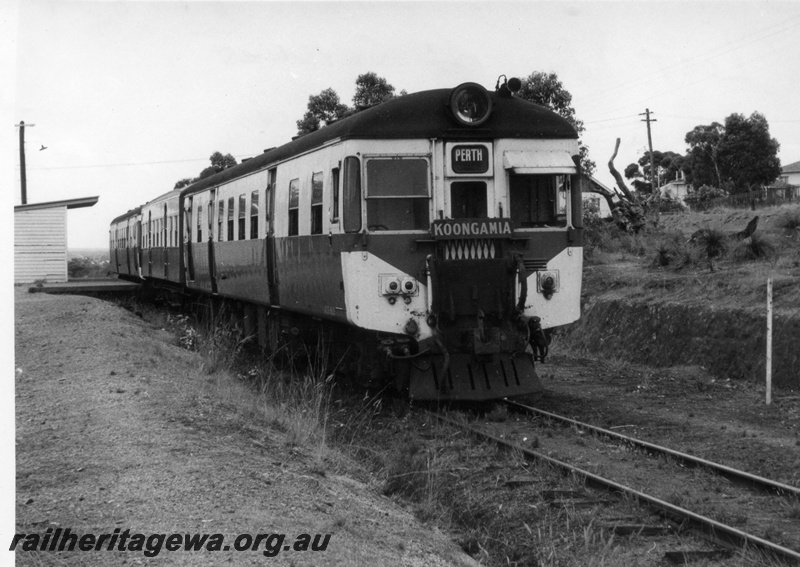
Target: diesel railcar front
x,y
438,233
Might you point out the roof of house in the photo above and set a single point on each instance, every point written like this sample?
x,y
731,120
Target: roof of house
x,y
791,168
596,182
68,203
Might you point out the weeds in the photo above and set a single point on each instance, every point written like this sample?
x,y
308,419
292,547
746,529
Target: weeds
x,y
757,247
789,222
295,404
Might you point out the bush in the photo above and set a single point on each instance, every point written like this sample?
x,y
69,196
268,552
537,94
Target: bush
x,y
712,242
789,222
705,193
84,268
757,247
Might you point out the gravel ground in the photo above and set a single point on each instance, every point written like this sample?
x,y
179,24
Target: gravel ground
x,y
116,430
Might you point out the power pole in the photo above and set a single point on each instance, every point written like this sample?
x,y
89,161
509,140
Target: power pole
x,y
23,178
653,170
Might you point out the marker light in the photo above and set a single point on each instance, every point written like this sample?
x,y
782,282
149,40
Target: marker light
x,y
409,285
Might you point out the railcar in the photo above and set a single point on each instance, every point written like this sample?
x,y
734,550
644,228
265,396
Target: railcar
x,y
438,234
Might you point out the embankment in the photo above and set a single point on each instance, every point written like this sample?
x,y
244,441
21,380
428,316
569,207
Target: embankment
x,y
729,343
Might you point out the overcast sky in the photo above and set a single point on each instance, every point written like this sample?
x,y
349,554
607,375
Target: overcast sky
x,y
129,97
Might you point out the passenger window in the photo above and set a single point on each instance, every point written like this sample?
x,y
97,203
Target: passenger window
x,y
221,220
335,195
294,207
351,198
254,215
539,200
231,235
199,223
211,220
268,194
397,194
242,215
316,203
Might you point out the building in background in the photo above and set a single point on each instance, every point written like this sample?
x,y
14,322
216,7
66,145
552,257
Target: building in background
x,y
676,190
790,174
40,240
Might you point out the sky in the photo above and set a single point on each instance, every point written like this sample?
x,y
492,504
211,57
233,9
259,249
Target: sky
x,y
130,97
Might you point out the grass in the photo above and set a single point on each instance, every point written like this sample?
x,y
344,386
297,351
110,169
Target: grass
x,y
242,378
789,223
696,257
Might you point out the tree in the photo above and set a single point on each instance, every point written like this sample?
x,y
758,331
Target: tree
x,y
219,163
747,153
737,156
323,109
326,107
668,167
371,90
545,89
702,158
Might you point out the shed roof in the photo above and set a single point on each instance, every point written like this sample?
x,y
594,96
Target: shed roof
x,y
68,203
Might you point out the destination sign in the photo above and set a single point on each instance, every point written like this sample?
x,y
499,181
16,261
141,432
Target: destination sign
x,y
469,159
471,228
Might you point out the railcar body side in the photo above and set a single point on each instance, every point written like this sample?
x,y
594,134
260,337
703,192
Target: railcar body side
x,y
161,238
445,245
125,244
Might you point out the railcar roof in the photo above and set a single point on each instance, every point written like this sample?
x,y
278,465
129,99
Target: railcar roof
x,y
165,197
131,213
425,115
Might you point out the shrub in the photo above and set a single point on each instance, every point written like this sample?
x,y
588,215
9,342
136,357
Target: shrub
x,y
712,242
706,193
757,247
410,472
83,268
789,222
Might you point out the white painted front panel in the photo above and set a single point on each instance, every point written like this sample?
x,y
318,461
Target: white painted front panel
x,y
368,308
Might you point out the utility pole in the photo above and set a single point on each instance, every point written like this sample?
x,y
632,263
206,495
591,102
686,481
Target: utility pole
x,y
23,178
653,170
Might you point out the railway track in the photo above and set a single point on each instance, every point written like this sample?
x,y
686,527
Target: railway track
x,y
734,475
766,513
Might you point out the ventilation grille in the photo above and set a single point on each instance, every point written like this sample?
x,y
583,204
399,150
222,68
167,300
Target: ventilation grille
x,y
535,264
477,249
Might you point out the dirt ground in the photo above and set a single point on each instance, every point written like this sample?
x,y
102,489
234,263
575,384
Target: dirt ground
x,y
115,430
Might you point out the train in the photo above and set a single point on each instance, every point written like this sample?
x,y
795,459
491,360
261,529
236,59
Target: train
x,y
437,236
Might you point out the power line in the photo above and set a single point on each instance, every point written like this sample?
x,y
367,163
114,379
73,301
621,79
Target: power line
x,y
756,37
132,164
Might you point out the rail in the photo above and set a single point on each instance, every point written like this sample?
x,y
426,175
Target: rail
x,y
732,474
714,531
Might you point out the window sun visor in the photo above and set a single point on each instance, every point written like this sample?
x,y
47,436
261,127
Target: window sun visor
x,y
539,162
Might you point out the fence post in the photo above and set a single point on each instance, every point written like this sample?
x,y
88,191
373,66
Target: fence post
x,y
769,341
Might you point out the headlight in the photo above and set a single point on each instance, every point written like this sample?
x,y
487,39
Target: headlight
x,y
470,104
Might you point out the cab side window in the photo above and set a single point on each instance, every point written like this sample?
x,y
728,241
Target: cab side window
x,y
351,195
539,200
